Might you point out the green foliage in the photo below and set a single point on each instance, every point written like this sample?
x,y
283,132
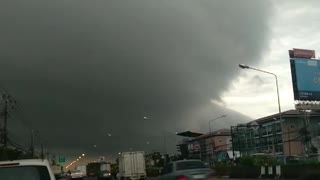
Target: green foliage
x,y
222,169
246,161
257,160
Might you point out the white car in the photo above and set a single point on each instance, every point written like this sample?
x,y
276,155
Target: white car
x,y
77,174
35,169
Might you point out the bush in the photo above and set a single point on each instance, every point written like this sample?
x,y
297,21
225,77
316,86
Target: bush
x,y
222,169
257,160
153,171
300,171
241,171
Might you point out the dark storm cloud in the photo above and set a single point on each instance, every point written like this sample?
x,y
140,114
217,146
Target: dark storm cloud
x,y
81,69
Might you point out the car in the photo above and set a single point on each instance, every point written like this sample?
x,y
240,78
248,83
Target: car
x,y
186,170
105,175
77,174
36,169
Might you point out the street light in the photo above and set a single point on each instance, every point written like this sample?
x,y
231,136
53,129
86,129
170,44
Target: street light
x,y
243,66
83,155
212,120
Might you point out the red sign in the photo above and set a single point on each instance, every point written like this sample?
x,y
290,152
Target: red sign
x,y
304,53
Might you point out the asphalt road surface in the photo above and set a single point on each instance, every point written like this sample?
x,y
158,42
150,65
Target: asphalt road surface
x,y
154,178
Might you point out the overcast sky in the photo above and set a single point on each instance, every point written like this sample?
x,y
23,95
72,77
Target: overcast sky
x,y
294,24
80,70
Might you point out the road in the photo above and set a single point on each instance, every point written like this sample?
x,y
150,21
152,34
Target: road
x,y
154,178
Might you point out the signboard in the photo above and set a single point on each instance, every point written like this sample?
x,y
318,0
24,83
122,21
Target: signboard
x,y
302,53
305,79
62,159
195,147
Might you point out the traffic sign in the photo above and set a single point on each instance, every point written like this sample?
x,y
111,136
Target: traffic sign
x,y
62,159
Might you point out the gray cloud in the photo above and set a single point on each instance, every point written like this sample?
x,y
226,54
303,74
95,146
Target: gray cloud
x,y
81,69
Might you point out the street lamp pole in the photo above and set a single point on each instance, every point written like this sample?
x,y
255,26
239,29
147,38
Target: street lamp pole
x,y
212,120
210,132
243,66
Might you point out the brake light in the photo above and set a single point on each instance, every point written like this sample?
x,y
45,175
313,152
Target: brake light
x,y
211,175
181,177
9,164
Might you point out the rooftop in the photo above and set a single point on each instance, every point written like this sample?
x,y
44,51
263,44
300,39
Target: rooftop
x,y
189,134
286,114
220,132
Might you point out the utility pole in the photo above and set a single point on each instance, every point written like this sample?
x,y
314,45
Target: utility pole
x,y
164,150
31,144
42,155
289,141
9,103
232,143
5,137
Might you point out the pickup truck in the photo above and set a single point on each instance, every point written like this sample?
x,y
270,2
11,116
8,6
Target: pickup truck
x,y
36,169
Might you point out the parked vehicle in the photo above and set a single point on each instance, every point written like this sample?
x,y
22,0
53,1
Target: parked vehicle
x,y
77,174
132,165
186,170
102,170
105,171
36,169
82,169
57,170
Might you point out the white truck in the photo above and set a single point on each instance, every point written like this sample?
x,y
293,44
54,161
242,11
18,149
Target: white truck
x,y
132,165
82,169
56,169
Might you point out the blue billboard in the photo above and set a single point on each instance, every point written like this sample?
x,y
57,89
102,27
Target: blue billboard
x,y
306,79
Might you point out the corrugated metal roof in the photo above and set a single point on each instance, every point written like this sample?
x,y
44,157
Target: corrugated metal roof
x,y
285,114
189,134
220,132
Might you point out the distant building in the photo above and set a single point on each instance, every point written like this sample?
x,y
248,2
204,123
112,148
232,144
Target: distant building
x,y
296,135
207,147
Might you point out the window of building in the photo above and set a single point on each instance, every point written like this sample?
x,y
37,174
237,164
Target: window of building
x,y
279,138
263,131
270,140
269,129
278,127
220,140
278,148
292,126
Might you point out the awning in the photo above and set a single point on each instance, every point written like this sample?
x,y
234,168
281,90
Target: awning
x,y
189,134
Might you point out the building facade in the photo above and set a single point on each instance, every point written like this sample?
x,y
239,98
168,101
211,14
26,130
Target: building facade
x,y
207,147
296,134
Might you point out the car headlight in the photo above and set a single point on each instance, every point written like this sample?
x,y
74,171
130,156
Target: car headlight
x,y
107,174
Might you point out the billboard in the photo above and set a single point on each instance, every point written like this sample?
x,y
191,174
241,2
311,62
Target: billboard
x,y
302,53
305,79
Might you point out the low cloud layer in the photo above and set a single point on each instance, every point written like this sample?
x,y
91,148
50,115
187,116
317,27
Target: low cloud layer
x,y
82,69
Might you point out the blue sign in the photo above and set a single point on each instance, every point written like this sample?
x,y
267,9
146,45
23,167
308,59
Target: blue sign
x,y
306,79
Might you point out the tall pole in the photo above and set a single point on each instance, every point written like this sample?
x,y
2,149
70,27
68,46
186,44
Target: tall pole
x,y
42,154
210,132
289,141
164,150
278,97
31,144
5,134
232,143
